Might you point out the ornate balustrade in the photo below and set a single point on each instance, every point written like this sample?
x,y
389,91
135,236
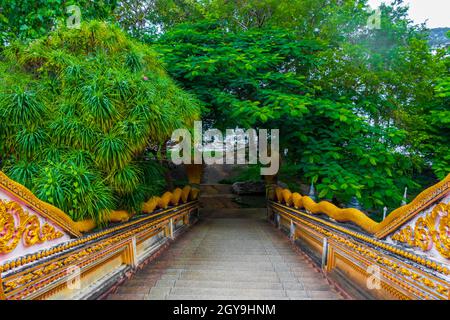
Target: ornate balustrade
x,y
407,256
43,254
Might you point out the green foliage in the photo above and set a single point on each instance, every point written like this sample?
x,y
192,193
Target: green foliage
x,y
338,110
237,75
362,112
325,19
75,188
244,173
78,110
31,19
145,21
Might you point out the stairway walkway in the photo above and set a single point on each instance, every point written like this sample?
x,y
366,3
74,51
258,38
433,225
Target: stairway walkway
x,y
231,254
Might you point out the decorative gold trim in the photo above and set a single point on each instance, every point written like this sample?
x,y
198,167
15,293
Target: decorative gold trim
x,y
429,283
28,230
43,208
35,279
429,231
403,214
325,207
393,221
2,294
408,255
66,246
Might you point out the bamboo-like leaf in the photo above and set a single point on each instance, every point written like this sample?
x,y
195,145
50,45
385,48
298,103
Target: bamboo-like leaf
x,y
112,152
78,108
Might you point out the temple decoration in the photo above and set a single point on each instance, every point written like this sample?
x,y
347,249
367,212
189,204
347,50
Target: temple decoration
x,y
100,256
429,232
312,191
354,203
39,243
385,210
13,191
410,248
28,229
392,222
327,208
354,255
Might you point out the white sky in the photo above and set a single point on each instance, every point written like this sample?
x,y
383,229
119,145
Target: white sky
x,y
437,12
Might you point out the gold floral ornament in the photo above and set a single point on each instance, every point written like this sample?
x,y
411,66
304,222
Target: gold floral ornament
x,y
431,230
17,224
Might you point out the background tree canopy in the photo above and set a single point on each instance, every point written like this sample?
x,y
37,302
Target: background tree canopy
x,y
266,78
363,112
27,19
78,110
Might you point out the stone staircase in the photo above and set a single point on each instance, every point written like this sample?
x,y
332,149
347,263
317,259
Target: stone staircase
x,y
216,196
232,253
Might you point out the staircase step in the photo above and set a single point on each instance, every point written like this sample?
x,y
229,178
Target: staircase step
x,y
217,195
233,253
212,203
201,284
233,213
215,188
245,293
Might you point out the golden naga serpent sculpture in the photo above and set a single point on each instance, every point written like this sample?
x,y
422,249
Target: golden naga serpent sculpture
x,y
12,228
178,196
394,220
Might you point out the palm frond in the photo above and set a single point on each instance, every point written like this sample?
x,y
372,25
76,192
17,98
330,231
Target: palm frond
x,y
99,106
133,61
79,108
112,152
22,171
22,107
126,179
30,140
